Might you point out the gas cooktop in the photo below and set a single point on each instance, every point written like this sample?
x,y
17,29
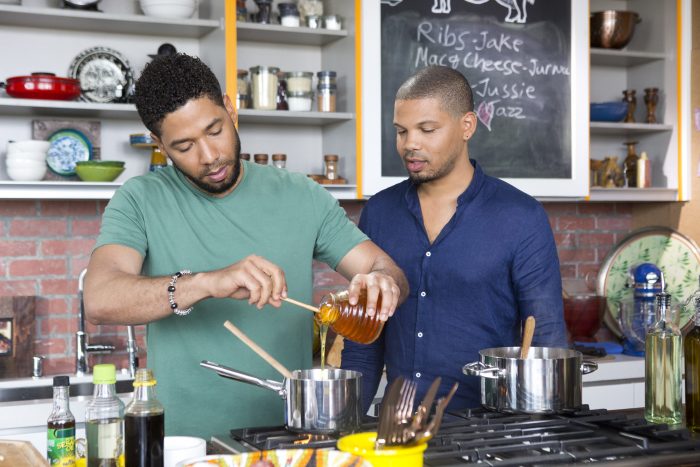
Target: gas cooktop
x,y
491,438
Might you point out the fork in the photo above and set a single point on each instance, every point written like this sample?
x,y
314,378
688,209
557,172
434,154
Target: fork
x,y
386,414
402,414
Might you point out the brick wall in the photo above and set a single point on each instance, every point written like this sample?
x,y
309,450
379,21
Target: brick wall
x,y
45,244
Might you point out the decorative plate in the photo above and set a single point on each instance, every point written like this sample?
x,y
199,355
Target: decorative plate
x,y
676,255
105,75
280,457
67,147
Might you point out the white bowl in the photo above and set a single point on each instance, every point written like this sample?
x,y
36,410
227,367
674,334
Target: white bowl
x,y
30,145
178,9
26,174
27,156
24,163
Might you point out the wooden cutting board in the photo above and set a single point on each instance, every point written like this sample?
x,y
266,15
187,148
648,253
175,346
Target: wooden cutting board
x,y
20,454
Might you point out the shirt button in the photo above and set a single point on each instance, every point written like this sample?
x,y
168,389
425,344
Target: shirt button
x,y
422,294
420,334
427,253
417,375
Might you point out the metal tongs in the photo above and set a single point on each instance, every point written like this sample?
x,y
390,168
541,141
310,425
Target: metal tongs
x,y
398,425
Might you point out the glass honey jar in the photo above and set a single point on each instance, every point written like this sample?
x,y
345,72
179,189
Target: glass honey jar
x,y
350,321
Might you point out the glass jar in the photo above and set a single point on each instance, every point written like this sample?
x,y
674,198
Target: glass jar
x,y
333,22
331,166
289,15
310,7
326,78
242,82
299,81
350,321
260,159
241,11
300,101
325,99
264,15
313,21
282,92
264,84
279,160
245,156
158,160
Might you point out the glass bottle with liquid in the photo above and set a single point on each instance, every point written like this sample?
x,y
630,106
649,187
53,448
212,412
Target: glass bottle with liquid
x,y
144,424
158,160
104,420
60,446
662,375
691,350
350,321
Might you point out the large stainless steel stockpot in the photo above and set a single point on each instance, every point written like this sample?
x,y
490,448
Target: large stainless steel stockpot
x,y
317,401
548,381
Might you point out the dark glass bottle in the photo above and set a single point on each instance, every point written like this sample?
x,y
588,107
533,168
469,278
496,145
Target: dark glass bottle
x,y
144,424
60,445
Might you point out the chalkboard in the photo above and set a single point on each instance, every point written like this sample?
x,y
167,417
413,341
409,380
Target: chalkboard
x,y
516,55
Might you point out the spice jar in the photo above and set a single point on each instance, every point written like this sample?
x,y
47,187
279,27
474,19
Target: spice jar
x,y
264,84
300,101
279,160
158,160
260,159
350,321
310,7
299,81
264,14
282,92
326,100
245,156
243,91
331,169
241,11
289,15
313,21
326,78
333,22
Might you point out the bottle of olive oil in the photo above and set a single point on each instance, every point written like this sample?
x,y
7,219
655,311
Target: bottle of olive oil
x,y
691,349
662,378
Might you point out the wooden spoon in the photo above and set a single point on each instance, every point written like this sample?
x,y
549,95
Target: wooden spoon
x,y
301,304
527,336
258,350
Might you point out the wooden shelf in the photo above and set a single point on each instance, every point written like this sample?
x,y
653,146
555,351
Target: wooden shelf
x,y
285,117
623,58
633,194
608,128
51,108
273,33
103,190
75,20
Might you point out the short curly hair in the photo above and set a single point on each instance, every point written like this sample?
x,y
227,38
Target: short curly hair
x,y
168,82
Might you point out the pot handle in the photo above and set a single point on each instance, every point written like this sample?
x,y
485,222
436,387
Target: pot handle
x,y
483,370
235,375
588,367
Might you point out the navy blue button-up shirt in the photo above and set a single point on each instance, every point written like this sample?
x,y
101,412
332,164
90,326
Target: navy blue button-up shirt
x,y
492,265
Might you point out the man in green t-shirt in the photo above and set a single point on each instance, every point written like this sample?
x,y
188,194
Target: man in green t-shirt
x,y
246,232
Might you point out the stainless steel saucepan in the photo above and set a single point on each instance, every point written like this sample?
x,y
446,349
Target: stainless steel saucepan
x,y
548,381
317,401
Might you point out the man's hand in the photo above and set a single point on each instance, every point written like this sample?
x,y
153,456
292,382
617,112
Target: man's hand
x,y
376,283
254,278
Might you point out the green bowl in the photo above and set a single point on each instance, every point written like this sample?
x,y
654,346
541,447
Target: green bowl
x,y
99,171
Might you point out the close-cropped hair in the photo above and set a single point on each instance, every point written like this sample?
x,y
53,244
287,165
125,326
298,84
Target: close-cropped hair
x,y
170,81
443,83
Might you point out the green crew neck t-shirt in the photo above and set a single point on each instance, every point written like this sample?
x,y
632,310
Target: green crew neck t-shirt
x,y
281,216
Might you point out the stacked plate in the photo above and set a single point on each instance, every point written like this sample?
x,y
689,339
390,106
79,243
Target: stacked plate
x,y
26,160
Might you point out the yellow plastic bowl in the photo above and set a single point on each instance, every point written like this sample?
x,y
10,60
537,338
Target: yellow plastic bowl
x,y
362,444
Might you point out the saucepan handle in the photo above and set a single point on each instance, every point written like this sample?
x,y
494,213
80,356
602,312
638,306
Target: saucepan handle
x,y
588,367
483,370
235,375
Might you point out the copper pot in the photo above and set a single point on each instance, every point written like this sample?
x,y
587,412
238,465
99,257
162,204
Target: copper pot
x,y
612,29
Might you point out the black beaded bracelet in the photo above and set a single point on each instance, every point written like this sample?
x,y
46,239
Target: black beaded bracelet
x,y
171,293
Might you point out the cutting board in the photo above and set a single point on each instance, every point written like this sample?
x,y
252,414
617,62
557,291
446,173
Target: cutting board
x,y
20,454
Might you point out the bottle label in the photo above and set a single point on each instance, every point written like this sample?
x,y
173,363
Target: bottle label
x,y
61,447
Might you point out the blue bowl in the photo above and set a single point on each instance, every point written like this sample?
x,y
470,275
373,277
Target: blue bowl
x,y
608,111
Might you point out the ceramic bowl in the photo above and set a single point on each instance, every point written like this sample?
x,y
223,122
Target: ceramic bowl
x,y
99,171
27,156
30,145
27,174
25,163
608,111
177,9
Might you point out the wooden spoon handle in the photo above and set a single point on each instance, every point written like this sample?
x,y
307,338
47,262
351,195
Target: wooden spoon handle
x,y
527,336
301,305
258,350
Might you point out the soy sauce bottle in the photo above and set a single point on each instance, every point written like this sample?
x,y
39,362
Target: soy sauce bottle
x,y
60,444
350,321
144,424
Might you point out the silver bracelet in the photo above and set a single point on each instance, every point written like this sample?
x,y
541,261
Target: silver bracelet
x,y
171,293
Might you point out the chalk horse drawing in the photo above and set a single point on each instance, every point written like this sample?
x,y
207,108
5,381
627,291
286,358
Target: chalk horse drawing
x,y
517,9
441,6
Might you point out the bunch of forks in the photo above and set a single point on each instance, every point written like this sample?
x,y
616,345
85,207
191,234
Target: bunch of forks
x,y
399,425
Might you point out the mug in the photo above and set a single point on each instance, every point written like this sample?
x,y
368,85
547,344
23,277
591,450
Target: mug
x,y
180,448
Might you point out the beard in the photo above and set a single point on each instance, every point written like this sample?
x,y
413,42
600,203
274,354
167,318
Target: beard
x,y
224,185
429,176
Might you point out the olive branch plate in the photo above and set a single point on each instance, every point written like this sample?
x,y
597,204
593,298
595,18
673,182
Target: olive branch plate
x,y
676,255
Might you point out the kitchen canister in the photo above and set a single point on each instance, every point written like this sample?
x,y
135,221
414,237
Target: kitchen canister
x,y
263,87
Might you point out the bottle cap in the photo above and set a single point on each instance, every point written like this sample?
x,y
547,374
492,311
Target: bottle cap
x,y
61,381
279,157
104,373
644,156
330,157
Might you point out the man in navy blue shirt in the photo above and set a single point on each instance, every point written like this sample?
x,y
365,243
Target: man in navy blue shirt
x,y
479,254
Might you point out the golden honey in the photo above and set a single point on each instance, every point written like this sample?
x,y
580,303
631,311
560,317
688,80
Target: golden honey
x,y
350,321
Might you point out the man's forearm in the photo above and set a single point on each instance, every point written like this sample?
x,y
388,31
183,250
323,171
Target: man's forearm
x,y
122,298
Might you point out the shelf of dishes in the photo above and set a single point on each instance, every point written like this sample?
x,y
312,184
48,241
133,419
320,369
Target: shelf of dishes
x,y
293,118
612,128
273,33
44,107
64,19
